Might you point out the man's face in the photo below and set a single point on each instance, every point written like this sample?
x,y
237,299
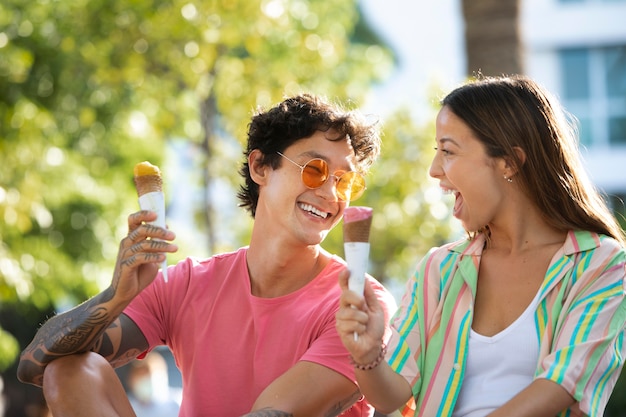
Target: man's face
x,y
306,213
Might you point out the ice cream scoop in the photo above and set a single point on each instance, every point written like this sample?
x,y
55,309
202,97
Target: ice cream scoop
x,y
149,185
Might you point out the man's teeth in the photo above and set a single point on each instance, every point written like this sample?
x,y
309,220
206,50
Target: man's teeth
x,y
311,209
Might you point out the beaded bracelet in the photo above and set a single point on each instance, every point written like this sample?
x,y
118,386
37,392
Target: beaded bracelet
x,y
374,363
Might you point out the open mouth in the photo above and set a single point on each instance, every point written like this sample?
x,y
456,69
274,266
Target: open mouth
x,y
458,202
310,209
458,199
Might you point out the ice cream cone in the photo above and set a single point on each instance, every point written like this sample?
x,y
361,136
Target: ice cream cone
x,y
149,185
147,178
357,222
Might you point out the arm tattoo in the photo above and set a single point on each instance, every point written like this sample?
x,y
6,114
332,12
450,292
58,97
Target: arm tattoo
x,y
75,331
344,405
334,411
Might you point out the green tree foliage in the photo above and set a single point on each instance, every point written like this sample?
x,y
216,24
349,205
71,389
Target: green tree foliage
x,y
89,88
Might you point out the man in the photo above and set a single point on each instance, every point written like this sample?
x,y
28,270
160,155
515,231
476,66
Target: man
x,y
252,331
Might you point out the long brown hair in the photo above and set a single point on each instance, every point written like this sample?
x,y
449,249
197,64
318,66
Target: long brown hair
x,y
514,111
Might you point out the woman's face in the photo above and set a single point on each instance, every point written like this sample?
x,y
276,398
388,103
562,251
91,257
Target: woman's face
x,y
464,170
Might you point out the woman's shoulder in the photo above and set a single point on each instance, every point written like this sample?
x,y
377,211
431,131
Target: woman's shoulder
x,y
582,240
464,246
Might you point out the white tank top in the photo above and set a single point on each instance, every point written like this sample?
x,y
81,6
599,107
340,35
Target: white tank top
x,y
499,367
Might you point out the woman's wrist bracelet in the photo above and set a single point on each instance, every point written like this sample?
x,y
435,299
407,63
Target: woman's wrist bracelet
x,y
374,363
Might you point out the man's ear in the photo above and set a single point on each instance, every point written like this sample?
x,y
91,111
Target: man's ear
x,y
512,166
258,170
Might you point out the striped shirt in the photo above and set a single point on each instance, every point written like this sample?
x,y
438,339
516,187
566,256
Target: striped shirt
x,y
580,321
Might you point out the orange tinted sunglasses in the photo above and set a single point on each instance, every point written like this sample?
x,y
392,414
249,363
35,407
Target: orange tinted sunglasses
x,y
350,185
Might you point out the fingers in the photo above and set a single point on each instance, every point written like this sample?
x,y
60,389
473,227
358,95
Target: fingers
x,y
352,316
143,216
140,228
361,315
349,297
146,217
142,258
350,320
145,242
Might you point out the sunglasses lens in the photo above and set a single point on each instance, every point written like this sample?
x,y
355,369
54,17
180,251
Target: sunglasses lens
x,y
351,186
315,173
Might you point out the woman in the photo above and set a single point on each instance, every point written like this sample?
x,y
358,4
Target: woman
x,y
524,317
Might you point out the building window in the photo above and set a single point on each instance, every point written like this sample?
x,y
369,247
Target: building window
x,y
594,90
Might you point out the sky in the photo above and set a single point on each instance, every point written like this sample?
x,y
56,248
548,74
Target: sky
x,y
428,38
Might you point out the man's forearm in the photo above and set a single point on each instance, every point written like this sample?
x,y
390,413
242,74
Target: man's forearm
x,y
75,331
266,412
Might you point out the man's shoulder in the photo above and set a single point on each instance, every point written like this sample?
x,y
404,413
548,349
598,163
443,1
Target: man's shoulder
x,y
193,271
385,297
217,260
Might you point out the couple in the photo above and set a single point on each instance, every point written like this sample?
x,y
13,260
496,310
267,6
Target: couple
x,y
267,331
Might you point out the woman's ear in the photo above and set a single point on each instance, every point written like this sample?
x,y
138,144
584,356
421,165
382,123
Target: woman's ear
x,y
258,170
512,165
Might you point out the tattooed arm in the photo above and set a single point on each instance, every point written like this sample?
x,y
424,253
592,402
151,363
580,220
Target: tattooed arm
x,y
307,389
98,324
87,327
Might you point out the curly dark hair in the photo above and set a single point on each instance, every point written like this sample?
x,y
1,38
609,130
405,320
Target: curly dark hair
x,y
297,118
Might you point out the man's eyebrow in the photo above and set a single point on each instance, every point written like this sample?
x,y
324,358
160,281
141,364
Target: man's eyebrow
x,y
313,155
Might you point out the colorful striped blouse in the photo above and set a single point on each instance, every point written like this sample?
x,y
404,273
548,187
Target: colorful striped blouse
x,y
580,323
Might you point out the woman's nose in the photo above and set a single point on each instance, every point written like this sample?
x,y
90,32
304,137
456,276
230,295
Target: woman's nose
x,y
435,167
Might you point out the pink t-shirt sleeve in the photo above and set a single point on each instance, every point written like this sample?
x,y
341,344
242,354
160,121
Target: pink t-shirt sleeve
x,y
152,311
327,350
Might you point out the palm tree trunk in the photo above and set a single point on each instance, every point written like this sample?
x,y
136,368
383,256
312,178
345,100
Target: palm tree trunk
x,y
492,37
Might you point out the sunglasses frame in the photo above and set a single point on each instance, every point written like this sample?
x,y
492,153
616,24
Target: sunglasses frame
x,y
340,193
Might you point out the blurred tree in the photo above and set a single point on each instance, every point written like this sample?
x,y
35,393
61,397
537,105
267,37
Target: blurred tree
x,y
89,88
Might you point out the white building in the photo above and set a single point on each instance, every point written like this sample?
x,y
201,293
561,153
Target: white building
x,y
575,48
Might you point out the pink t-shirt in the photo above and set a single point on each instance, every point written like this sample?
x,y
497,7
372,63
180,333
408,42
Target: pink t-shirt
x,y
230,345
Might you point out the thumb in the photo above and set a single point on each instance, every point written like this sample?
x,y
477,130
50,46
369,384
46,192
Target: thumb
x,y
370,296
344,276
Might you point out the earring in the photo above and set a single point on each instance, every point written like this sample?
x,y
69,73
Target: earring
x,y
508,179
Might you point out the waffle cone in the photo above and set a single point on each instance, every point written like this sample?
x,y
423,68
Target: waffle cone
x,y
148,183
147,178
357,231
